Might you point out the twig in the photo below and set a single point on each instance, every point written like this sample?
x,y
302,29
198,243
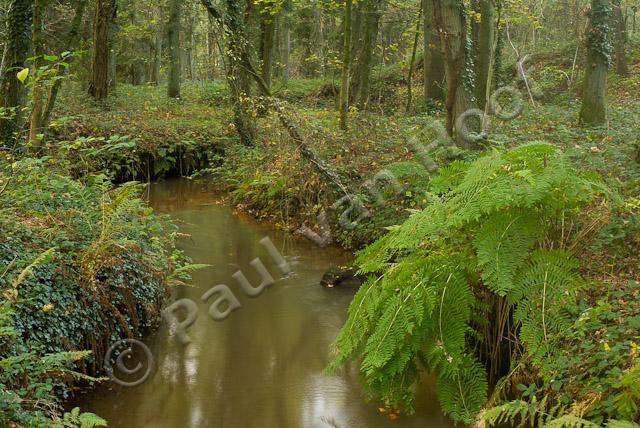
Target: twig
x,y
573,67
511,43
524,78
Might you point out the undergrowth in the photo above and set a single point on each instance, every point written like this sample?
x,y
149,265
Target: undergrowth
x,y
83,265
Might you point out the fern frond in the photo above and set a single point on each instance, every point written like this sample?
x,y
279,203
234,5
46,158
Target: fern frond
x,y
506,413
402,316
449,177
463,393
484,217
519,412
502,244
570,421
363,312
621,424
42,258
546,286
447,330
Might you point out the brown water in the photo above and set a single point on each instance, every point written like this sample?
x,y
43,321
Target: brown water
x,y
263,366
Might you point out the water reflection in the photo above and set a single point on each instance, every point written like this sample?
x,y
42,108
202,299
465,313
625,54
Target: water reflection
x,y
262,367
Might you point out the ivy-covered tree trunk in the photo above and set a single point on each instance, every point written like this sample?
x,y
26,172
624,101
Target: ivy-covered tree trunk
x,y
173,35
620,26
433,61
486,42
237,74
37,91
99,85
594,92
361,82
451,20
346,67
18,42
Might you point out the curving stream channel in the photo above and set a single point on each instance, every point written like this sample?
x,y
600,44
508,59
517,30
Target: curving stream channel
x,y
263,366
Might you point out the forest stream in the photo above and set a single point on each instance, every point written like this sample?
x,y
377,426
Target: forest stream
x,y
263,366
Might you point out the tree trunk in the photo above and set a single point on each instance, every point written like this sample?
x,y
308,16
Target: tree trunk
x,y
412,64
433,60
190,42
486,42
319,39
35,125
369,27
620,26
113,51
594,108
157,57
71,44
173,33
137,69
211,50
99,86
237,75
310,33
346,66
286,50
268,28
451,22
18,42
283,35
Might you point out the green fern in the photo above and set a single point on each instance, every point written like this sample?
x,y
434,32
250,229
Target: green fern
x,y
449,177
539,413
545,290
569,421
463,393
79,420
502,244
621,424
472,244
519,412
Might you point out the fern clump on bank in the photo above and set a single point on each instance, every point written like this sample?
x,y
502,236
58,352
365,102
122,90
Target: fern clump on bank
x,y
82,265
486,275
